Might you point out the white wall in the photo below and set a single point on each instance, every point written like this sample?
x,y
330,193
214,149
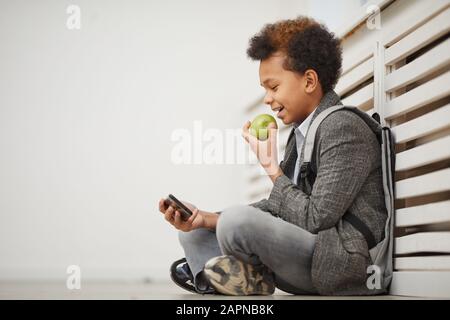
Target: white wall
x,y
86,118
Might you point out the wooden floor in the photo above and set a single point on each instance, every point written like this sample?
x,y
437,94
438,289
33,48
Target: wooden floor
x,y
131,290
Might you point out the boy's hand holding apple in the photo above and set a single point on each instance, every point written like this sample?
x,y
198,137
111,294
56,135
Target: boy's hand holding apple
x,y
261,135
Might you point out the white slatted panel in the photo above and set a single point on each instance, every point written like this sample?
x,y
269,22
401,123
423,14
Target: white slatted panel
x,y
437,181
422,36
352,78
352,60
431,213
420,127
356,86
421,283
425,94
437,263
411,91
416,92
430,152
363,98
403,17
438,242
430,62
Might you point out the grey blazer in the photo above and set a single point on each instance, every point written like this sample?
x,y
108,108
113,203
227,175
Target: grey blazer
x,y
347,163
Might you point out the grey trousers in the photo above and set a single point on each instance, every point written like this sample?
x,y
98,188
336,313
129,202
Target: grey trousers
x,y
256,237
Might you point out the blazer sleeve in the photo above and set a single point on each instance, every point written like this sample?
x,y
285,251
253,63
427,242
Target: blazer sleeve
x,y
345,150
262,204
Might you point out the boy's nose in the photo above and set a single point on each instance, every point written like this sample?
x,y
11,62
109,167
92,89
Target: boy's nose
x,y
268,99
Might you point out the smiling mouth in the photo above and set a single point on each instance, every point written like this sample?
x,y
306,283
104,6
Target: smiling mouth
x,y
279,110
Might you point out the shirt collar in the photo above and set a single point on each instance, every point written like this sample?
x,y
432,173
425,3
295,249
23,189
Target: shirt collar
x,y
302,127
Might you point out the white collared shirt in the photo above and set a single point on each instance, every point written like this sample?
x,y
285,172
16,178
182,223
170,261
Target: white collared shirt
x,y
300,133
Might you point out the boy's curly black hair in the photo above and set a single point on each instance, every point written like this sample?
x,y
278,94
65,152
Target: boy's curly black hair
x,y
307,44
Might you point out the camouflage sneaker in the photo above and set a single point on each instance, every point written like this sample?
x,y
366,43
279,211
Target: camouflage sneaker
x,y
231,276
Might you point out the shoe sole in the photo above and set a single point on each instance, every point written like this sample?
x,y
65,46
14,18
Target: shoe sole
x,y
184,285
172,268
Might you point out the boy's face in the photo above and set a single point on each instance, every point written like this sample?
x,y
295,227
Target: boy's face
x,y
285,89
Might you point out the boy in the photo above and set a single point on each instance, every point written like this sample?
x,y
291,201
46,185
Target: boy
x,y
295,240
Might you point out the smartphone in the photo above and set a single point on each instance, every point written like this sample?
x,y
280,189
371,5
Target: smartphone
x,y
186,213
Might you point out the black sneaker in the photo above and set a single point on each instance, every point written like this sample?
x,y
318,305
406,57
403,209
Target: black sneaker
x,y
231,276
181,274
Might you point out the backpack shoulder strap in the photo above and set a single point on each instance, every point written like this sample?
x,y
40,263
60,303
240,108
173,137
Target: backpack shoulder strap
x,y
311,133
312,130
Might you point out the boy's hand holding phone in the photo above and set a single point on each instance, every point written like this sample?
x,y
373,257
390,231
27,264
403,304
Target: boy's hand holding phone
x,y
178,214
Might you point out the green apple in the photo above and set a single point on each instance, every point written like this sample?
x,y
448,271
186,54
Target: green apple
x,y
259,125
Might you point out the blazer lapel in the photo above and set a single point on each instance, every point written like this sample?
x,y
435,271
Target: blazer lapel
x,y
290,155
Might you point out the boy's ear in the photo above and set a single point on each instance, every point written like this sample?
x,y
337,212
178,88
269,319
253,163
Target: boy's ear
x,y
311,80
